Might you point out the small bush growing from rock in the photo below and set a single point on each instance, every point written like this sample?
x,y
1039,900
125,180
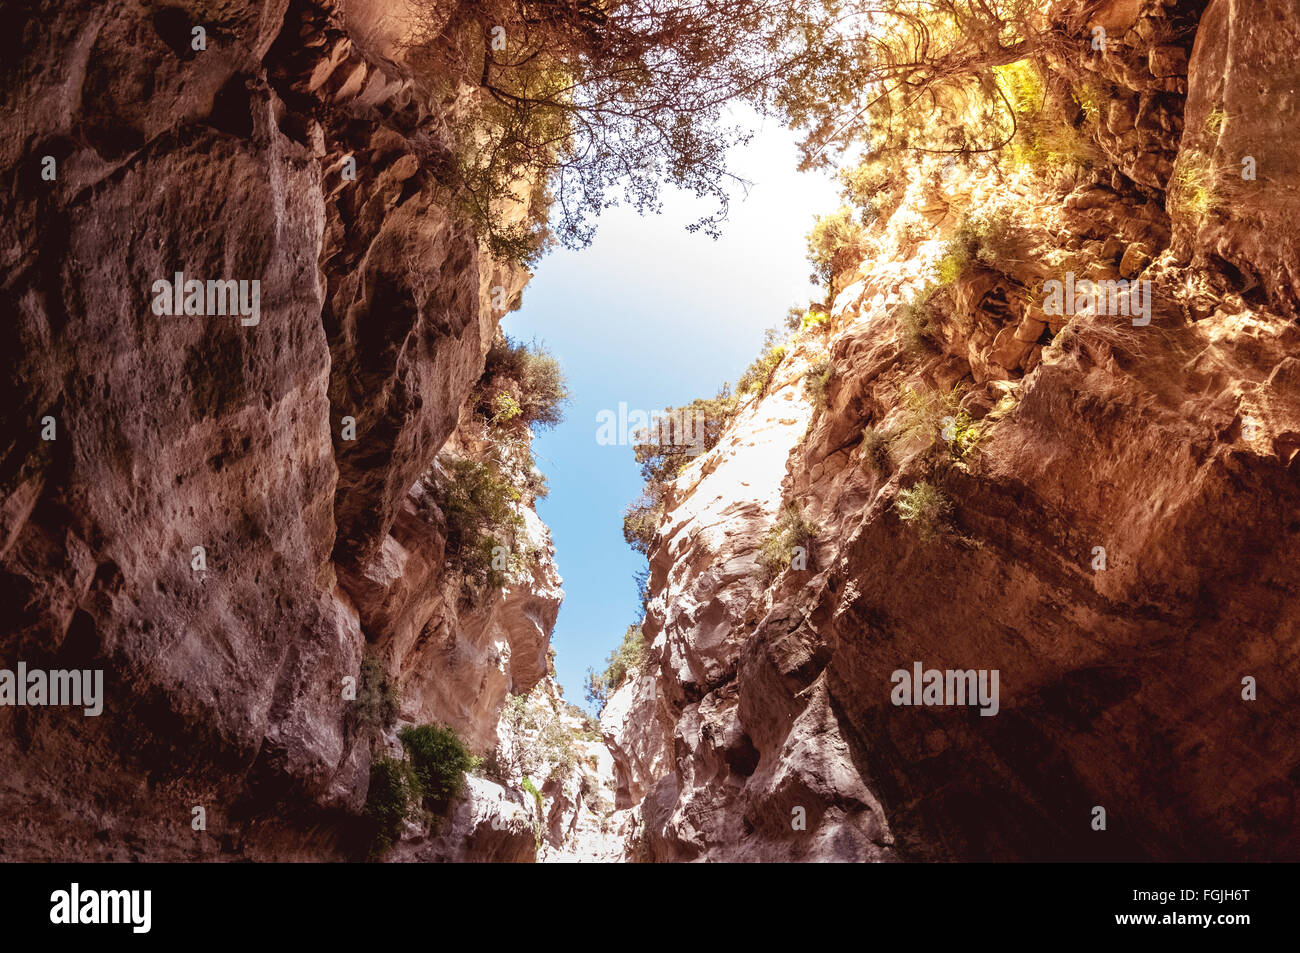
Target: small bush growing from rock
x,y
817,380
962,435
528,370
439,760
814,319
918,329
791,529
1047,137
986,237
935,416
641,522
391,800
924,506
504,409
759,374
631,653
539,817
833,247
479,504
874,450
378,700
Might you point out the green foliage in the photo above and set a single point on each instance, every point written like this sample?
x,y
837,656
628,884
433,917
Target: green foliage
x,y
925,411
439,760
875,185
925,507
903,75
391,799
833,247
377,701
681,434
641,522
986,237
522,385
479,504
874,450
539,817
962,435
759,374
537,795
592,102
533,738
817,381
1051,119
917,324
504,409
585,103
791,529
936,416
814,319
631,653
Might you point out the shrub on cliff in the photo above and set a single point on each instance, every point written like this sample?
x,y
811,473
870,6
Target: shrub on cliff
x,y
680,434
391,799
833,247
918,329
758,375
483,522
641,522
430,775
818,320
875,185
535,738
874,450
986,237
1052,119
439,760
377,702
934,416
925,507
817,380
522,385
631,653
790,530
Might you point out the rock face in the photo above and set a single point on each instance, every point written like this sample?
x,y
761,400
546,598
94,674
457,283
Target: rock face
x,y
292,151
1122,545
234,512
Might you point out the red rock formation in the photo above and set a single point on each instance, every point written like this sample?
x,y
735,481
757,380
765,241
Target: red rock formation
x,y
224,685
1175,446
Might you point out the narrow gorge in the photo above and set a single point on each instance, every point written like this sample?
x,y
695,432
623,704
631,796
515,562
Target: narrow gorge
x,y
1044,425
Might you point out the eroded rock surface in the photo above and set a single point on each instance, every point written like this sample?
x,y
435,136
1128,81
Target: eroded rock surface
x,y
291,449
1173,446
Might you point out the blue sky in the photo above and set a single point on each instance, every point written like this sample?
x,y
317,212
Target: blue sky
x,y
653,316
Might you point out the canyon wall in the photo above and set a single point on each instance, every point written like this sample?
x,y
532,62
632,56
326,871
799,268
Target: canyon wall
x,y
226,514
1122,543
232,516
